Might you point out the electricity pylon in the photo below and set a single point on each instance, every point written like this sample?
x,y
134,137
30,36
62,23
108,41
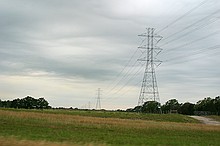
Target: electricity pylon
x,y
98,103
149,90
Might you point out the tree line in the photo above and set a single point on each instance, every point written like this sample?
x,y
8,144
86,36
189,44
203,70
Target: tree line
x,y
26,103
207,106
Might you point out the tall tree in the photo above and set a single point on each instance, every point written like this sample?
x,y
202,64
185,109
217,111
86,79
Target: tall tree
x,y
151,107
16,103
207,105
187,109
42,103
217,105
171,104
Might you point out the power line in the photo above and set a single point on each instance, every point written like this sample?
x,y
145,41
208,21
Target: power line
x,y
192,59
127,75
188,27
189,43
124,66
128,81
173,59
180,60
124,76
139,70
184,15
193,53
123,93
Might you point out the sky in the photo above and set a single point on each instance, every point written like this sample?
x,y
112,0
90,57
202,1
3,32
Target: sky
x,y
65,50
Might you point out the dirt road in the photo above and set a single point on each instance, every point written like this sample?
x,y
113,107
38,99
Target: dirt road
x,y
206,120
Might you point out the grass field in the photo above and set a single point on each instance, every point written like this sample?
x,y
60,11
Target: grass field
x,y
91,128
113,114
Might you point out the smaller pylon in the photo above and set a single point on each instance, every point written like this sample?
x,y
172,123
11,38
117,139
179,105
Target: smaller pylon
x,y
98,103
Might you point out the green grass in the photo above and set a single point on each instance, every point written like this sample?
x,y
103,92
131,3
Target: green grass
x,y
217,118
115,114
71,127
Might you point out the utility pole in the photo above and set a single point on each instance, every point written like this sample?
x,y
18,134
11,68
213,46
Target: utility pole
x,y
149,90
98,103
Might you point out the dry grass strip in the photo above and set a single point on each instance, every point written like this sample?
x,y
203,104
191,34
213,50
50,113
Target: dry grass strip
x,y
15,142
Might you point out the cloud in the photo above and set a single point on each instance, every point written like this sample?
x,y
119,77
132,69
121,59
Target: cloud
x,y
91,42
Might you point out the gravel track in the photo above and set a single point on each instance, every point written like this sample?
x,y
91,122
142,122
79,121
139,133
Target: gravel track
x,y
205,120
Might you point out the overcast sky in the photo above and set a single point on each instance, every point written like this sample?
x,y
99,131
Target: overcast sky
x,y
65,50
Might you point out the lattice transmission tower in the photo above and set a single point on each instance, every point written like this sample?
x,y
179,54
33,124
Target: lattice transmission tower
x,y
98,102
149,89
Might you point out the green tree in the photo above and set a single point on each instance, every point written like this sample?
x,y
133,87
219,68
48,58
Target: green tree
x,y
16,103
217,105
171,104
29,102
6,104
151,107
187,109
207,105
137,109
42,103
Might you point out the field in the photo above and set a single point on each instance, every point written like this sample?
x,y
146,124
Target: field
x,y
92,128
217,118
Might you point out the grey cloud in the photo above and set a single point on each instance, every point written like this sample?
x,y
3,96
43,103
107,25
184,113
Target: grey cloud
x,y
79,66
94,39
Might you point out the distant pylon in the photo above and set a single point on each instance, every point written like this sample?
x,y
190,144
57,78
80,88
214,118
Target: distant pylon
x,y
149,90
98,103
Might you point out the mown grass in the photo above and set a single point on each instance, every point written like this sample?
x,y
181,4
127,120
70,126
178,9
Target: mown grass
x,y
91,130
